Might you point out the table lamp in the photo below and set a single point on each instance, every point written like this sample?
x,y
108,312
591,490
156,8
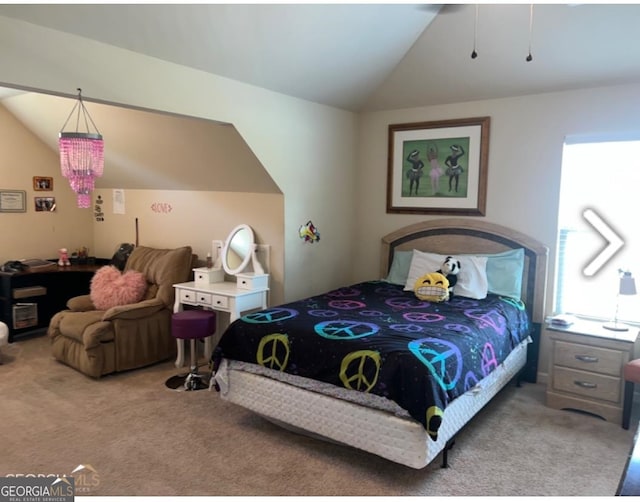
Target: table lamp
x,y
627,287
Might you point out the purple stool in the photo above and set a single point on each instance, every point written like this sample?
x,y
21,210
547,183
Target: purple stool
x,y
193,325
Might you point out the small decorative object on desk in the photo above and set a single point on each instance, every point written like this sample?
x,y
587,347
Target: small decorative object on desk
x,y
563,320
209,261
36,264
83,254
63,259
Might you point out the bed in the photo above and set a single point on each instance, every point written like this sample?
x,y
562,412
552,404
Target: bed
x,y
371,366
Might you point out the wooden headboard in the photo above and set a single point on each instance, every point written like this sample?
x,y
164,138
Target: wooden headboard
x,y
452,236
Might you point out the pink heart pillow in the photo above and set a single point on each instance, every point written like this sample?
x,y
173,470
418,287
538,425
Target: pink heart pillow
x,y
110,288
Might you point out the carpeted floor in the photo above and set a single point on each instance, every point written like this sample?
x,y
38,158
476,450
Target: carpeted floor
x,y
131,435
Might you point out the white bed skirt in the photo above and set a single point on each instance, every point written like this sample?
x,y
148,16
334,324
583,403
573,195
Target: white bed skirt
x,y
396,438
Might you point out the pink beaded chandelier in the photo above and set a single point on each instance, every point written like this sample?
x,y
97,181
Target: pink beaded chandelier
x,y
81,155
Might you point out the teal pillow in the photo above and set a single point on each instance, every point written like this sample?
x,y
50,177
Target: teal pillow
x,y
504,272
400,265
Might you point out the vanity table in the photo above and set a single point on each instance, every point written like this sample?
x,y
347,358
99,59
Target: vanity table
x,y
209,290
221,297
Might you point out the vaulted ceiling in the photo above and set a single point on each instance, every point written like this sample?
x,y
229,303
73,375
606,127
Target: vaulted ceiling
x,y
372,56
359,57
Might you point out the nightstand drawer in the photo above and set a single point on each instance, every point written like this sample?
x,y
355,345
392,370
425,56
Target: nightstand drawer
x,y
585,368
587,384
589,358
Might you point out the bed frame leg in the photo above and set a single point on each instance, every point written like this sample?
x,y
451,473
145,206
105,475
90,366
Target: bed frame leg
x,y
445,453
519,378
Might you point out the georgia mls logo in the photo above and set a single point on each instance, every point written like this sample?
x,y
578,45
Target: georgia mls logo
x,y
83,479
63,479
36,489
86,478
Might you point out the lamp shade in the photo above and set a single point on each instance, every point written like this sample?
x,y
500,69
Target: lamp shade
x,y
627,284
627,287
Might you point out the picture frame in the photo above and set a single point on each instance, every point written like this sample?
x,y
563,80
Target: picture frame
x,y
42,183
44,204
438,167
13,201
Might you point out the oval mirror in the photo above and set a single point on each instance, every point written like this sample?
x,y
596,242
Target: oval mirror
x,y
238,249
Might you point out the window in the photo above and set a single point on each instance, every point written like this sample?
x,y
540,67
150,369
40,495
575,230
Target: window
x,y
603,176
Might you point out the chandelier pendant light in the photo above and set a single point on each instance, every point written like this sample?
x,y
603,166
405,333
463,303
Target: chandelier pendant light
x,y
81,154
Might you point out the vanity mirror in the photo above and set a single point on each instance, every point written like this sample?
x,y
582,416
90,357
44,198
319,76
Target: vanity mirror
x,y
239,249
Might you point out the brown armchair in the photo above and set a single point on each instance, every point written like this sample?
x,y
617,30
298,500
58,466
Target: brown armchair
x,y
99,342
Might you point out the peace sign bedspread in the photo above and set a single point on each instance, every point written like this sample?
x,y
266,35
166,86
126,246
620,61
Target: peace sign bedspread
x,y
374,337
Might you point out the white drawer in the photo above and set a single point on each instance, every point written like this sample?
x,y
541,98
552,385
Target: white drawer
x,y
189,297
208,275
203,298
218,301
252,281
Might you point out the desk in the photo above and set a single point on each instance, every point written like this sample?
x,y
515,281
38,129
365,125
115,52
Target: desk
x,y
46,291
221,297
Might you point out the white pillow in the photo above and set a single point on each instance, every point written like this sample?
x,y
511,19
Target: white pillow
x,y
472,279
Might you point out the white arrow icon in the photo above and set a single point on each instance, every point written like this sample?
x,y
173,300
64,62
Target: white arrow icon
x,y
614,245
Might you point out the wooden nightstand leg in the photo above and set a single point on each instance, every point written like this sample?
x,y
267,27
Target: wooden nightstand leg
x,y
628,404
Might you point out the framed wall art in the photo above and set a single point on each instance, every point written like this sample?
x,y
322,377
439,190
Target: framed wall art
x,y
438,167
45,204
13,201
42,183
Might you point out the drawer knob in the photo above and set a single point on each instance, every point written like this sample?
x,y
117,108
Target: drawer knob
x,y
587,359
585,385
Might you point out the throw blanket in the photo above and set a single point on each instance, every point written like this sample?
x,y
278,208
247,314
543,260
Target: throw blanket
x,y
375,337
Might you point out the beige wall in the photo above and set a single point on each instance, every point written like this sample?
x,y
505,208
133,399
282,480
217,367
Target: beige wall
x,y
307,149
36,234
152,150
173,218
166,218
525,157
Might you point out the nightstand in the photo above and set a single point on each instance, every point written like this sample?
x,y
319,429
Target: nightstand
x,y
585,368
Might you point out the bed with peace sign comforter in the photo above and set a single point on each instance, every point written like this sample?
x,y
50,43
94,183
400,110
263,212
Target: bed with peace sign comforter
x,y
373,367
376,338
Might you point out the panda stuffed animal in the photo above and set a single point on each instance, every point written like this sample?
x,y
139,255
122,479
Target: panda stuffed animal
x,y
450,268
